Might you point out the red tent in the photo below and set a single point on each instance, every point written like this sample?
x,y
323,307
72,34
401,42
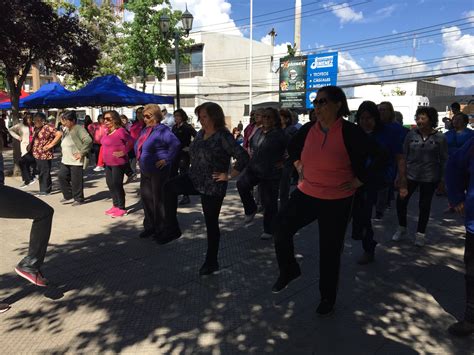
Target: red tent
x,y
4,97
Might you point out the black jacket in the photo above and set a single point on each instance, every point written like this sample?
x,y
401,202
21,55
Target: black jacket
x,y
358,145
268,154
184,133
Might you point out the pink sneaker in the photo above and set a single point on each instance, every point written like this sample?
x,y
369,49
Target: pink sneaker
x,y
119,213
111,211
35,278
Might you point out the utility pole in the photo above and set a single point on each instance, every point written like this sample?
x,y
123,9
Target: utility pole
x,y
272,34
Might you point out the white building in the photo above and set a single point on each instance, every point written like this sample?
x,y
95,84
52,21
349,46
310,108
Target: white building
x,y
219,72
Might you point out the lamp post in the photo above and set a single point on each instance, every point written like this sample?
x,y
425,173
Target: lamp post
x,y
187,22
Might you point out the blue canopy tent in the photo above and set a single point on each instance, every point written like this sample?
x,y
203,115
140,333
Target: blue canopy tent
x,y
36,100
106,91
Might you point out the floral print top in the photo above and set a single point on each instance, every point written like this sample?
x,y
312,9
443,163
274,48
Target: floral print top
x,y
213,155
42,137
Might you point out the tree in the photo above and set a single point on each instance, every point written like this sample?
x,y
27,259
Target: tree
x,y
34,32
146,48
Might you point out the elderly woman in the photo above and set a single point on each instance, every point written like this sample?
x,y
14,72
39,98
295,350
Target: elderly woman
x,y
330,157
23,132
155,149
210,154
288,168
45,139
115,147
185,133
76,144
264,169
426,152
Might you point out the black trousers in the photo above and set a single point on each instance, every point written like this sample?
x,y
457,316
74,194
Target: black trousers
x,y
211,207
285,183
21,205
96,150
427,190
151,192
364,201
44,175
28,166
333,216
269,194
469,277
114,179
71,181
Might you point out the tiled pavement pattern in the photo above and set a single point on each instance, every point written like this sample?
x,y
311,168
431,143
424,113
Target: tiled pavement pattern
x,y
116,293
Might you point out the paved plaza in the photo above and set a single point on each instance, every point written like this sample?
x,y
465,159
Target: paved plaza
x,y
112,292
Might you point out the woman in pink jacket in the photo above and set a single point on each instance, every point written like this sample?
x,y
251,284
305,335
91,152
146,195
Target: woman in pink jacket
x,y
115,147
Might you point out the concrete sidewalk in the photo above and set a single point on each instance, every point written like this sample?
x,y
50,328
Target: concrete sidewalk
x,y
113,292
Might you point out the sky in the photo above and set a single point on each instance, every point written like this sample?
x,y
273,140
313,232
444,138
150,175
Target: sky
x,y
376,39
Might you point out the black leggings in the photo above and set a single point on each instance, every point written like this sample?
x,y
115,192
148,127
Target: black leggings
x,y
114,179
22,205
28,166
333,217
427,190
211,207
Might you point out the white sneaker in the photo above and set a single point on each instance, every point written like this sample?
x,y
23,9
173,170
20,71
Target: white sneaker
x,y
419,239
399,234
32,181
99,168
249,218
266,236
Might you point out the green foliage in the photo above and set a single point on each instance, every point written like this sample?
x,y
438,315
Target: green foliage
x,y
34,32
146,48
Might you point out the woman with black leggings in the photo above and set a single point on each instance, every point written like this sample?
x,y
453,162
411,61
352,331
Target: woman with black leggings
x,y
426,152
210,154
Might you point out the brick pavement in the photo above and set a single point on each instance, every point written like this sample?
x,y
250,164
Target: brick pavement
x,y
115,293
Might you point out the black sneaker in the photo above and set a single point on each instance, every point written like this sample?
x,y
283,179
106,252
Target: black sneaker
x,y
185,200
77,203
147,233
208,269
66,201
4,307
325,308
461,329
165,238
131,178
283,281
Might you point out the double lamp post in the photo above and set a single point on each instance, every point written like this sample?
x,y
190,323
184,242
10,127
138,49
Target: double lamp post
x,y
187,22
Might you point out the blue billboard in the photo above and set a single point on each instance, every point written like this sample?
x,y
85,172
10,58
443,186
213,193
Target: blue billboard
x,y
321,70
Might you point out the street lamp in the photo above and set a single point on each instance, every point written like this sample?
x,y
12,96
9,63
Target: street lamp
x,y
187,22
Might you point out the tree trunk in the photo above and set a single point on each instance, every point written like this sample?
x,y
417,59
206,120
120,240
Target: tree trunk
x,y
15,92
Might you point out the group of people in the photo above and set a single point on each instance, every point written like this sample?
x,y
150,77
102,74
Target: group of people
x,y
343,171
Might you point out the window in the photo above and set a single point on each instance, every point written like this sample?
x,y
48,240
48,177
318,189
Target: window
x,y
188,70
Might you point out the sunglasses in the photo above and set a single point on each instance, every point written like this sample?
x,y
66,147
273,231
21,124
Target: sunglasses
x,y
148,116
320,102
108,119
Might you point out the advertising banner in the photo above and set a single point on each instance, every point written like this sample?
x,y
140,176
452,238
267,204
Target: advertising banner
x,y
293,82
321,71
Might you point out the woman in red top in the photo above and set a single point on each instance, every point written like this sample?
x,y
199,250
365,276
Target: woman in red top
x,y
330,157
115,147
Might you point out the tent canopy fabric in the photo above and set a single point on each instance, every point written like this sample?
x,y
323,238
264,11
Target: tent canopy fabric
x,y
106,91
36,100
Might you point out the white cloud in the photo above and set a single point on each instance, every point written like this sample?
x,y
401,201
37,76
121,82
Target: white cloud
x,y
350,70
266,39
457,44
470,14
344,12
386,11
393,65
210,15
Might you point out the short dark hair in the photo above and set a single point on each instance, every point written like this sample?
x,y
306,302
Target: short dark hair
x,y
215,113
430,112
287,117
70,116
182,113
464,117
41,115
372,109
273,113
336,94
116,120
456,106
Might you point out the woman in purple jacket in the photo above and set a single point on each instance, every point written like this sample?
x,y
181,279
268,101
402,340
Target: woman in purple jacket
x,y
155,149
115,147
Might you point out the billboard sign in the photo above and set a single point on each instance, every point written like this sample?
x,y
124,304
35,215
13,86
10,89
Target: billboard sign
x,y
293,82
321,71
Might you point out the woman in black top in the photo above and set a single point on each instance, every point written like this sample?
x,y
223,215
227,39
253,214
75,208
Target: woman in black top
x,y
288,168
210,154
264,169
185,133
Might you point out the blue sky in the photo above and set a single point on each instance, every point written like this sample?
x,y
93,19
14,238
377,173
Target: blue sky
x,y
328,24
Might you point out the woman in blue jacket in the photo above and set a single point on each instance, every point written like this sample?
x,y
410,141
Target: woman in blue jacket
x,y
460,186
